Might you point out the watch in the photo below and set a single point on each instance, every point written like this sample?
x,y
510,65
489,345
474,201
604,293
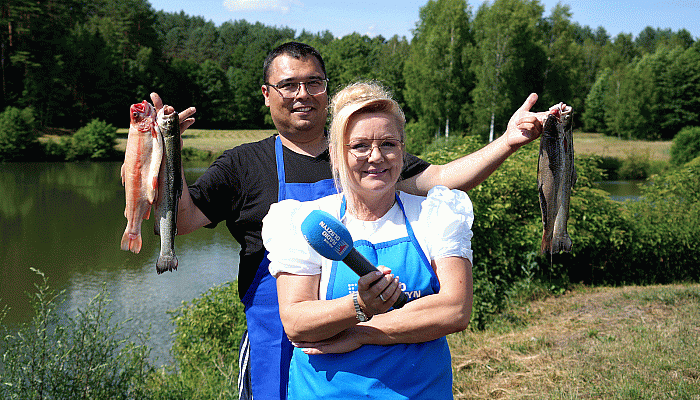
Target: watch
x,y
361,316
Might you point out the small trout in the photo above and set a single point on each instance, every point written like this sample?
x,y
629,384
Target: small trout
x,y
171,187
144,151
556,175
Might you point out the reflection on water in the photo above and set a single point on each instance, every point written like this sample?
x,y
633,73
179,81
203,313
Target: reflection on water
x,y
622,190
67,219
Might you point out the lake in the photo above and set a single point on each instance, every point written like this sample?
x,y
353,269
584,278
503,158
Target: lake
x,y
67,220
622,190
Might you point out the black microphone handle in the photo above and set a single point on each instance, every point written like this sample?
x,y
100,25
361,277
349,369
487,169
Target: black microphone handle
x,y
358,263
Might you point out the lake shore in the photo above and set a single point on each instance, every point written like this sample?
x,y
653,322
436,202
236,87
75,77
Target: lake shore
x,y
216,141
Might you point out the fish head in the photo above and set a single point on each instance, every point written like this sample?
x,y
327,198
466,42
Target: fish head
x,y
141,115
557,120
167,123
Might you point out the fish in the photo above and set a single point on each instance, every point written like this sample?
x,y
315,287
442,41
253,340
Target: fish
x,y
168,126
556,175
139,172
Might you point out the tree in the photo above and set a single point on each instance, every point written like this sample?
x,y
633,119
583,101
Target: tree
x,y
510,63
17,136
437,76
594,115
350,58
564,74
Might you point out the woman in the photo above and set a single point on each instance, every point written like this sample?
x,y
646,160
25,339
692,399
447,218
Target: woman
x,y
349,342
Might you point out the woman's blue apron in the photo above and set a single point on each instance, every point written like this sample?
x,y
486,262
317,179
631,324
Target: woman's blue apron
x,y
403,371
270,350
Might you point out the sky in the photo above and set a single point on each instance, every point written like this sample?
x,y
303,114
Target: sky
x,y
399,17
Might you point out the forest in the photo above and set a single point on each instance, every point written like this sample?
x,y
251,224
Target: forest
x,y
464,71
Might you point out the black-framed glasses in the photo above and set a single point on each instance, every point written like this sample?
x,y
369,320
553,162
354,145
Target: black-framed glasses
x,y
361,149
290,90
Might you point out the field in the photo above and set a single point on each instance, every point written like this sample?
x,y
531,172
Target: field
x,y
214,141
607,146
591,343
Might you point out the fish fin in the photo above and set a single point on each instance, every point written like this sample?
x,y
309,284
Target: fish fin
x,y
131,242
546,244
563,243
166,263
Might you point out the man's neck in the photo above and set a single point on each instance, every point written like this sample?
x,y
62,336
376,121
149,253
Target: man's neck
x,y
312,147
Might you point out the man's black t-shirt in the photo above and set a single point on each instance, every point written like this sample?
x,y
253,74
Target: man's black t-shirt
x,y
241,184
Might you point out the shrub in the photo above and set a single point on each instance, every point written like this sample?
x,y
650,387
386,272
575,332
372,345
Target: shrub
x,y
666,245
610,166
207,334
94,141
193,154
686,145
60,357
17,135
636,166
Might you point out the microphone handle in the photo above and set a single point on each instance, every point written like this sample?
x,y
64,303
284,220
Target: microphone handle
x,y
358,263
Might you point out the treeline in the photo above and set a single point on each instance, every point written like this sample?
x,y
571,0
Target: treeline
x,y
464,72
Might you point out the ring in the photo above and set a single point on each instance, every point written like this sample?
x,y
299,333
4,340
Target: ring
x,y
382,297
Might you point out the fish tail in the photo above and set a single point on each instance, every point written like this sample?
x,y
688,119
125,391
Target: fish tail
x,y
563,243
131,242
167,262
546,243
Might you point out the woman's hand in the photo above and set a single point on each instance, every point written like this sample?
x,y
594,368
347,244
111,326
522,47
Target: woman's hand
x,y
378,291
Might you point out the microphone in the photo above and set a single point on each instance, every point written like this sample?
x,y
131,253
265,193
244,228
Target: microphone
x,y
332,240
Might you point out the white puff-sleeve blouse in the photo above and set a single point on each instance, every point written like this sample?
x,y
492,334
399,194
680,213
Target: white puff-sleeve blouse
x,y
441,221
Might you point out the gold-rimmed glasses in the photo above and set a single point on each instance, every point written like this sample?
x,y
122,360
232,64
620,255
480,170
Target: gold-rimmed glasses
x,y
361,149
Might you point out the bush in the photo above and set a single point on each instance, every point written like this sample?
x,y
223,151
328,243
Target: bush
x,y
192,154
610,167
94,141
666,245
686,145
635,167
58,357
207,334
18,139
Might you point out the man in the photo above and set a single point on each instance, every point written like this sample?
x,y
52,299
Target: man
x,y
240,186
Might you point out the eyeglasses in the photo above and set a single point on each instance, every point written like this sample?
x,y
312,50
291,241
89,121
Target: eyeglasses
x,y
362,149
290,90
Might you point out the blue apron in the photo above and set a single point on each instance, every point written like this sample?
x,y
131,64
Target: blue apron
x,y
403,371
270,350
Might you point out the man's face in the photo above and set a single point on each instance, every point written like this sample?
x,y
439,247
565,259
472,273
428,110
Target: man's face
x,y
302,117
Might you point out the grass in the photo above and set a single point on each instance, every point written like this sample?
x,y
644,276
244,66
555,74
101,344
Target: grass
x,y
590,343
214,141
608,146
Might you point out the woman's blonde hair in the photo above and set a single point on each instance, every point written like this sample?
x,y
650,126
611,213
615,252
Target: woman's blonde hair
x,y
357,98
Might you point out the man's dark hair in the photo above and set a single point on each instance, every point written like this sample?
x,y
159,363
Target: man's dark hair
x,y
292,49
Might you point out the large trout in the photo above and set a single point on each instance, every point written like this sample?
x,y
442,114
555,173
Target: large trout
x,y
171,187
556,176
144,151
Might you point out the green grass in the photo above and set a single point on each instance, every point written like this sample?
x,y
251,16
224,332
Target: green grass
x,y
214,141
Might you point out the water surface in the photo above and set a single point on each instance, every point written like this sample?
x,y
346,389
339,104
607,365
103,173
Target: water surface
x,y
67,220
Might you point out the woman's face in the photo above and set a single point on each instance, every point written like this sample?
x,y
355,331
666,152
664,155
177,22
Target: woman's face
x,y
374,154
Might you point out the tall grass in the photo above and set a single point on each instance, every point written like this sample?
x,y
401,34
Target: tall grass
x,y
58,356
